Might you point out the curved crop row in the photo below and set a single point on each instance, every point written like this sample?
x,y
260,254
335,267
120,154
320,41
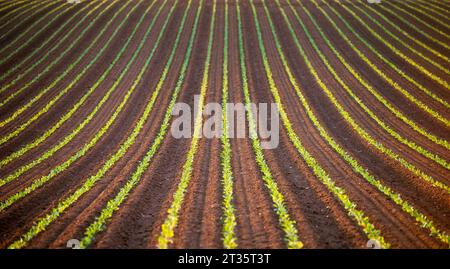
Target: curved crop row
x,y
403,32
388,105
49,67
435,5
171,221
113,205
45,221
444,3
339,193
80,157
84,123
25,148
370,140
374,67
406,207
38,50
399,8
48,17
426,14
229,217
66,71
394,36
37,183
31,6
407,59
11,4
432,156
432,6
413,26
286,223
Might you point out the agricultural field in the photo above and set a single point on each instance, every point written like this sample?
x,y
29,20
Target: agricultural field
x,y
88,156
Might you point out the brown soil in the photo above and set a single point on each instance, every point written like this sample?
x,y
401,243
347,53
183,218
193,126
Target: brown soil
x,y
321,220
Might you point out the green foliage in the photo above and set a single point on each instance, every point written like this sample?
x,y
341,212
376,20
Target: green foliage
x,y
381,123
31,7
421,219
395,26
378,145
66,164
50,131
431,6
287,224
63,91
171,221
398,16
403,56
318,171
113,205
61,40
10,4
63,119
380,72
229,219
426,14
377,95
90,182
47,17
67,116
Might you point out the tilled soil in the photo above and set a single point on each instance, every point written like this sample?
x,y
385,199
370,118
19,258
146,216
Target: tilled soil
x,y
321,220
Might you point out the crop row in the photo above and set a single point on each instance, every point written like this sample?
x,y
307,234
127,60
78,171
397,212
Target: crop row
x,y
60,78
383,125
379,97
229,238
113,205
396,112
378,145
404,57
38,50
339,193
421,9
415,27
69,86
394,36
416,18
33,4
229,217
48,17
113,159
87,119
28,7
171,221
25,148
432,6
377,69
420,218
405,33
7,4
287,224
66,164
